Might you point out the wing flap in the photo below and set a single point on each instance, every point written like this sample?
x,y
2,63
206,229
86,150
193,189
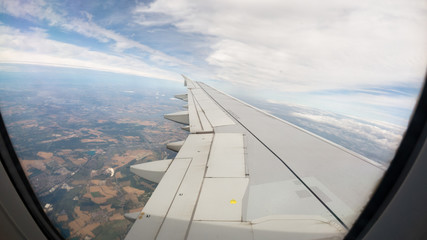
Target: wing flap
x,y
221,199
227,156
181,210
151,218
214,230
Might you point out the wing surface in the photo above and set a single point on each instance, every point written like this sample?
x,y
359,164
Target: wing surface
x,y
244,174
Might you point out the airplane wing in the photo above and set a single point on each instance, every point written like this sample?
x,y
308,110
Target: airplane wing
x,y
245,174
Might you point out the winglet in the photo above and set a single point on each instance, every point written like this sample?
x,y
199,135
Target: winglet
x,y
187,82
185,79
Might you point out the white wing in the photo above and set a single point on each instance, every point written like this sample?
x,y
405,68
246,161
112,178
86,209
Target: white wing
x,y
245,174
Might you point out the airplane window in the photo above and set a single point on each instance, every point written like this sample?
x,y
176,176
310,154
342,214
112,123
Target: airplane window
x,y
84,88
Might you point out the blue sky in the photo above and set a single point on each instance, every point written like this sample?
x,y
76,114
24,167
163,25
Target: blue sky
x,y
365,59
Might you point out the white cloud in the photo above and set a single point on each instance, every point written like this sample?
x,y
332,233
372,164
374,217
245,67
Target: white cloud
x,y
375,140
306,45
292,46
87,15
35,48
33,9
388,137
297,48
41,10
396,101
368,105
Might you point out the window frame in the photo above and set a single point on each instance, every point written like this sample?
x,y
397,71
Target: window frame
x,y
409,152
20,182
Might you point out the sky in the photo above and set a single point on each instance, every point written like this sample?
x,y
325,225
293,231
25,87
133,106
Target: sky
x,y
365,59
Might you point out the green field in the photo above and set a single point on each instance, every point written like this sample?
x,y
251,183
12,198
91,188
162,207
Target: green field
x,y
96,194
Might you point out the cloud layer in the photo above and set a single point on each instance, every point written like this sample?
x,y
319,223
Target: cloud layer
x,y
360,58
41,10
306,45
33,47
375,140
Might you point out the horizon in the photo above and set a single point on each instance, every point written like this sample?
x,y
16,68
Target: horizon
x,y
372,139
350,58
